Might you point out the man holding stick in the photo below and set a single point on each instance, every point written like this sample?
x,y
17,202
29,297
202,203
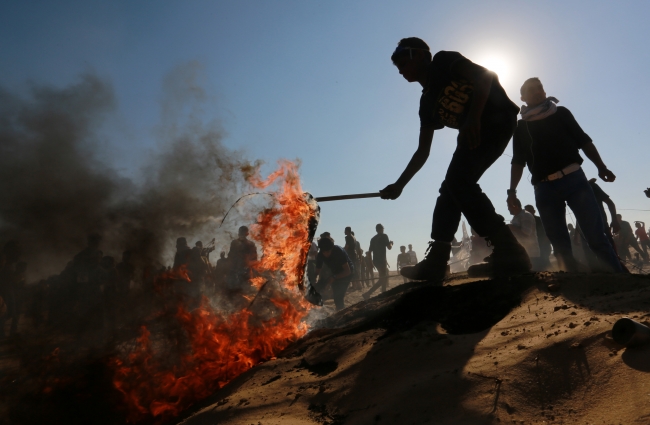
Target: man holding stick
x,y
459,94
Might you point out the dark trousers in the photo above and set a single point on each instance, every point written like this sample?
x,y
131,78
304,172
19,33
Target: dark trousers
x,y
339,288
460,192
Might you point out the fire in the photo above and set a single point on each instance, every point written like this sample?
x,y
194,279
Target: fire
x,y
219,348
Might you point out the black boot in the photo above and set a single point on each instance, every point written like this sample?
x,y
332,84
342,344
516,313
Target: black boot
x,y
433,267
508,257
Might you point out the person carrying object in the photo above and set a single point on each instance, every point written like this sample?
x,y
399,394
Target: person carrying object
x,y
459,94
548,140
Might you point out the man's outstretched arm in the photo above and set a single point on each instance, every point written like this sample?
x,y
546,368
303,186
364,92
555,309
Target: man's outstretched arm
x,y
393,191
592,153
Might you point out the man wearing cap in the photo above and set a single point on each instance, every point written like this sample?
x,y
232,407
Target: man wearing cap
x,y
462,95
548,140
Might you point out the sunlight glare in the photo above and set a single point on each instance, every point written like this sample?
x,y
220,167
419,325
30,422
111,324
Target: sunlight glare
x,y
499,65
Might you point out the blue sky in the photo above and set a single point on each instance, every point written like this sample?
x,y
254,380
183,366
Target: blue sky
x,y
313,80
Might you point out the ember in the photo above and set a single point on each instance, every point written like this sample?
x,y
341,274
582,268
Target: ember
x,y
217,347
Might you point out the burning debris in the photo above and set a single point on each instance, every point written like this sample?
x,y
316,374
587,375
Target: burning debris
x,y
220,347
134,339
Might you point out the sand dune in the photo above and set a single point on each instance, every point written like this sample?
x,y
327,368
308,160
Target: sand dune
x,y
471,352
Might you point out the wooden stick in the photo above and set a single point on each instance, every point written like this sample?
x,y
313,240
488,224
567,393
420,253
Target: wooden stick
x,y
343,197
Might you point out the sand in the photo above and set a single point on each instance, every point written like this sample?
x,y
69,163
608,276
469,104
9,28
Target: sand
x,y
471,352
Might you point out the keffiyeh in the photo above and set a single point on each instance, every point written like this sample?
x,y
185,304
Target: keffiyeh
x,y
541,111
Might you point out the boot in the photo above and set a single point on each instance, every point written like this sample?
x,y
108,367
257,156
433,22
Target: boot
x,y
508,257
433,267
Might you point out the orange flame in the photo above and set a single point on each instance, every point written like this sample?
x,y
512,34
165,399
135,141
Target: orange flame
x,y
221,348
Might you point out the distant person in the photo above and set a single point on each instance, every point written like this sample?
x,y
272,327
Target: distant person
x,y
370,267
627,238
341,267
412,254
183,251
613,226
350,244
542,241
403,260
637,261
462,95
242,255
548,140
378,245
524,228
642,236
221,272
351,249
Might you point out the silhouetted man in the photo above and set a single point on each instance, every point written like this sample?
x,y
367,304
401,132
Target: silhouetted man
x,y
459,94
351,249
412,254
242,255
627,238
378,245
548,140
403,260
642,236
370,269
182,256
221,271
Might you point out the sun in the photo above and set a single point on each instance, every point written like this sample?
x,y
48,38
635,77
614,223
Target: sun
x,y
499,65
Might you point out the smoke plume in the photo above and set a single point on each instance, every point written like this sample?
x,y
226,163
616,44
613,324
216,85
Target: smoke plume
x,y
55,189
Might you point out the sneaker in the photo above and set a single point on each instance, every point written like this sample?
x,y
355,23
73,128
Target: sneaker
x,y
433,267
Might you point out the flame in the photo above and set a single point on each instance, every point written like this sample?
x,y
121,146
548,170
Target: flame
x,y
218,347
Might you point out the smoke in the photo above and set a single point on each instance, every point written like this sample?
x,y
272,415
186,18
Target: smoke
x,y
55,189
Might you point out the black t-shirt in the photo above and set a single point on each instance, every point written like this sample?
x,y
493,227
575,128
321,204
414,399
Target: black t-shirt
x,y
447,99
548,145
335,261
601,197
378,245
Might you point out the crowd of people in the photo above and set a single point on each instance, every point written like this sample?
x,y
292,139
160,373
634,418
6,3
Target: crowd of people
x,y
339,268
95,292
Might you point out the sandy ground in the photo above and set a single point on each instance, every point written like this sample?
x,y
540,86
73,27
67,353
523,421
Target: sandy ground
x,y
471,352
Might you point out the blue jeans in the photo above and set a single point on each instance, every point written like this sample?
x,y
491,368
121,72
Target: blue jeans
x,y
460,192
574,190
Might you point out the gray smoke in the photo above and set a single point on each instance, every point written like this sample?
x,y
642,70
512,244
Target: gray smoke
x,y
55,190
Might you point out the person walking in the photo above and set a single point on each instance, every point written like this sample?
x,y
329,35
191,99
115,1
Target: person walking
x,y
548,140
378,245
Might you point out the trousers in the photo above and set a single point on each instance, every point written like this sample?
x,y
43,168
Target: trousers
x,y
460,192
